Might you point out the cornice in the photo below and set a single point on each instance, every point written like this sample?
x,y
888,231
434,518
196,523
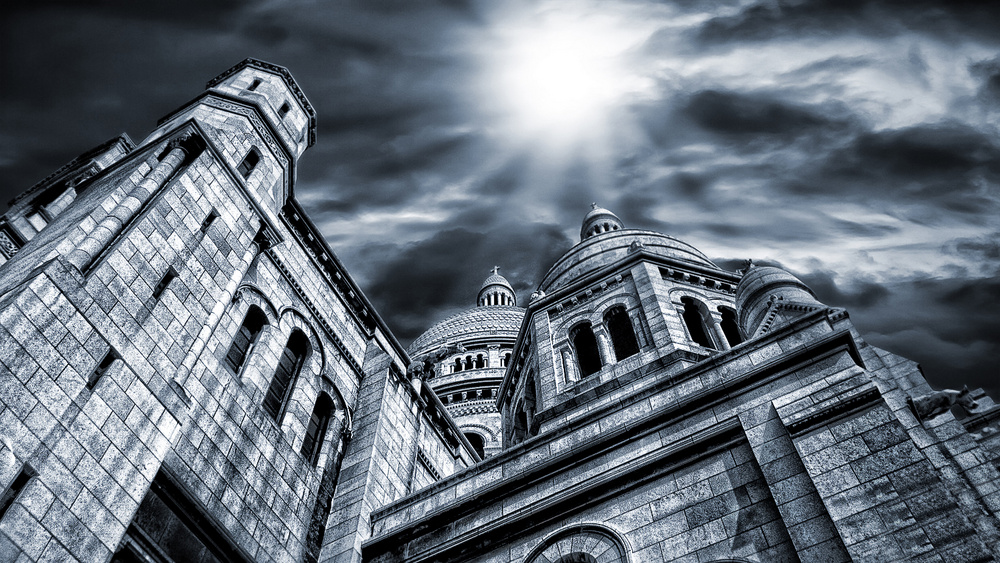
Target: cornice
x,y
282,72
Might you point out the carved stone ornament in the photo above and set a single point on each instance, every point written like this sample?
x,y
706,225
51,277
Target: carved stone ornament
x,y
423,367
932,405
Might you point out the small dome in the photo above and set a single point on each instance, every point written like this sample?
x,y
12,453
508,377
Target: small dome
x,y
756,288
599,220
496,291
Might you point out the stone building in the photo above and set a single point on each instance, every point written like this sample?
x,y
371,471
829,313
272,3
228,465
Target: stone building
x,y
478,344
189,374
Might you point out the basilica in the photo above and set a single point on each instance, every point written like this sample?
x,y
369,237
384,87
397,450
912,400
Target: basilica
x,y
189,373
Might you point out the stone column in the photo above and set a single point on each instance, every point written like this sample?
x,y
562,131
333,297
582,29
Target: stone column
x,y
258,245
604,346
112,224
569,373
720,334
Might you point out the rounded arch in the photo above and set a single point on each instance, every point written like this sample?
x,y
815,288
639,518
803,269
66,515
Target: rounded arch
x,y
696,314
620,328
584,343
340,404
582,542
290,318
489,433
256,296
477,441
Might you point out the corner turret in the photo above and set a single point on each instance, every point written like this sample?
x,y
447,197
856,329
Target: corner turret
x,y
763,291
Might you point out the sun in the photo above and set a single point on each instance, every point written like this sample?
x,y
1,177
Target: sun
x,y
564,72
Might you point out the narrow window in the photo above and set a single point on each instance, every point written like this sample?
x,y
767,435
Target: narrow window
x,y
209,219
249,163
458,365
585,345
253,85
102,368
164,282
730,327
695,322
520,430
15,488
246,336
289,366
479,361
318,424
477,443
622,334
283,110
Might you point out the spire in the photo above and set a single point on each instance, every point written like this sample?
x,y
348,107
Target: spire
x,y
496,291
599,220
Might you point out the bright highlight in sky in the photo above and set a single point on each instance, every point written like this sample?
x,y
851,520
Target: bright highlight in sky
x,y
564,73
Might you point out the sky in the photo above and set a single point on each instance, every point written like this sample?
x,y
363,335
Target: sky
x,y
855,144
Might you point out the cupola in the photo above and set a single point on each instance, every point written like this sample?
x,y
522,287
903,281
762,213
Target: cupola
x,y
763,288
496,291
599,220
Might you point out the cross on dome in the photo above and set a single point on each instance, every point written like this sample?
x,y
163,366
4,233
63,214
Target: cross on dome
x,y
496,290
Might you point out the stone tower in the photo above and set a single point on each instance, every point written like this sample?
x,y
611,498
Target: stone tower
x,y
478,344
188,372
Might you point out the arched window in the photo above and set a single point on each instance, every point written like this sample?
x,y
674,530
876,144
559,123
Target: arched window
x,y
695,322
468,362
581,543
730,327
622,334
458,365
246,336
520,426
477,442
479,361
289,365
585,345
316,431
505,360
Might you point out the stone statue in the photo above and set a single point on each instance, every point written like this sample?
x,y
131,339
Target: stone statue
x,y
537,295
927,407
423,367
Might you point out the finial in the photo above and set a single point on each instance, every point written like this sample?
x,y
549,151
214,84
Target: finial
x,y
496,270
593,205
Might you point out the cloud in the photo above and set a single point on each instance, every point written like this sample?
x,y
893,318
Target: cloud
x,y
737,114
420,283
949,326
988,71
811,18
949,166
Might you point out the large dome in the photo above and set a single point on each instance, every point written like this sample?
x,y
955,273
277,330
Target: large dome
x,y
494,323
605,248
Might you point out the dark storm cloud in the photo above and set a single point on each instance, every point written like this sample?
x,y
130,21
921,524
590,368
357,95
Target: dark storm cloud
x,y
444,272
729,150
947,325
950,165
880,18
988,72
183,13
749,115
